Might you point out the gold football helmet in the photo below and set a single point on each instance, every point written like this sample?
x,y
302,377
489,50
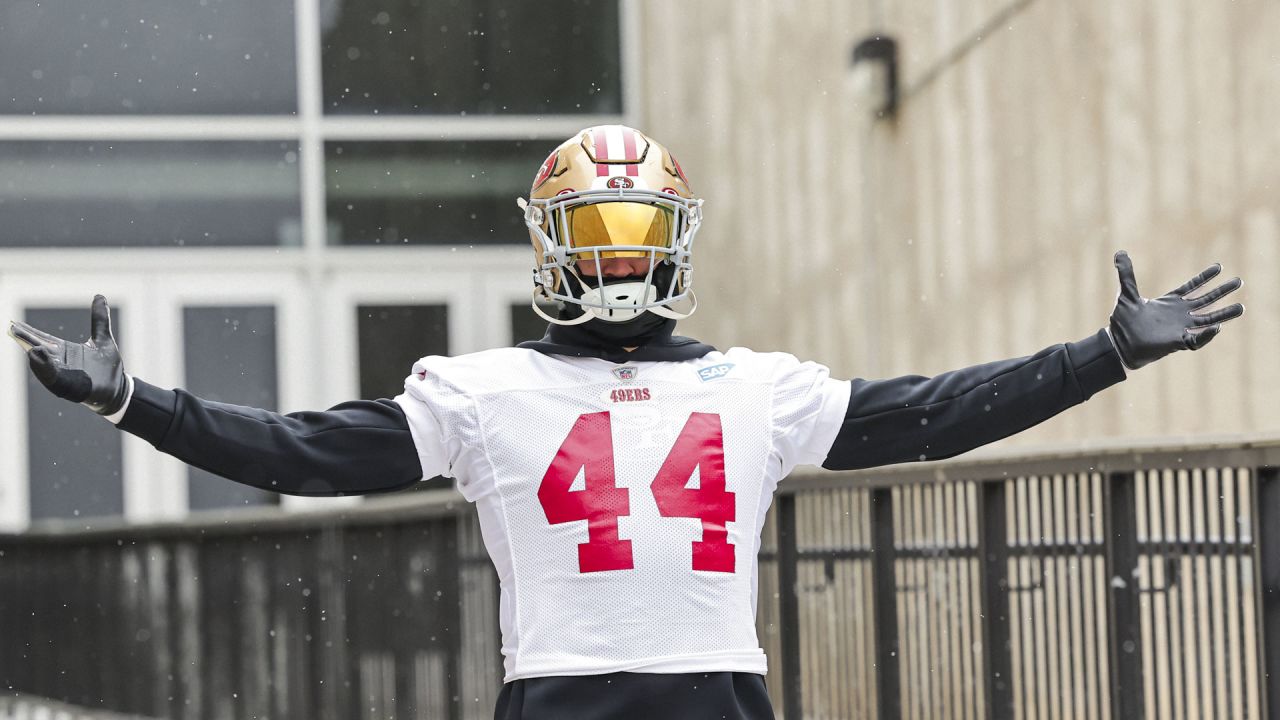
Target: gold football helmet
x,y
612,192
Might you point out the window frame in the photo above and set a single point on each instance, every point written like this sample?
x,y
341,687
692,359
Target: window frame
x,y
155,485
474,288
37,290
306,283
311,128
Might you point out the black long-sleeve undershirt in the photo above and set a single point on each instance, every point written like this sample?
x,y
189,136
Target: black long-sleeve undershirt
x,y
914,418
356,448
365,446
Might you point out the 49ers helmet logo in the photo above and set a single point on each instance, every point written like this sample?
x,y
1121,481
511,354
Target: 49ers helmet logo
x,y
620,182
679,171
544,172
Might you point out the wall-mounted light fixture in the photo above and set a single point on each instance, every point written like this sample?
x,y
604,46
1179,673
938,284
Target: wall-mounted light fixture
x,y
875,69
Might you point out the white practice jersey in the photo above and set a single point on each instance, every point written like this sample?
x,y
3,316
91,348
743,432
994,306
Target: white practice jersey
x,y
622,504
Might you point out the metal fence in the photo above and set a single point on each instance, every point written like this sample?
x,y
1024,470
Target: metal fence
x,y
1119,584
387,611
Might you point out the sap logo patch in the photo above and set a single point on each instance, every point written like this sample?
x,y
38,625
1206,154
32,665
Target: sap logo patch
x,y
715,371
625,374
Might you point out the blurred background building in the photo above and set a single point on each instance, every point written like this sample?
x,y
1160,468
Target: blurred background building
x,y
1032,139
288,202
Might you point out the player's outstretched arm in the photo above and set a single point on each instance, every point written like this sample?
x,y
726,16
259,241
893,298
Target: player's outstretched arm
x,y
915,418
358,447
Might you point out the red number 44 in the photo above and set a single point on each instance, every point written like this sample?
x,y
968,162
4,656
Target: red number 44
x,y
589,448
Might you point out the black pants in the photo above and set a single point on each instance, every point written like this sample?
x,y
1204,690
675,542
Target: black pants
x,y
637,696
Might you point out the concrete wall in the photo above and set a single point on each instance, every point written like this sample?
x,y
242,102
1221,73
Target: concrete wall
x,y
1035,138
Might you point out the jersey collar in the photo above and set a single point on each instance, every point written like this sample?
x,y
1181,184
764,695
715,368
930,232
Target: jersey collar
x,y
578,341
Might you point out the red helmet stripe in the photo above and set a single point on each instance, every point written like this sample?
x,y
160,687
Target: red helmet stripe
x,y
602,151
629,144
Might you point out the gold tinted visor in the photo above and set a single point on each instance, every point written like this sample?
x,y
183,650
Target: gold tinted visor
x,y
621,224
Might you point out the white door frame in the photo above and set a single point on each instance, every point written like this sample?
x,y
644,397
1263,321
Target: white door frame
x,y
316,339
63,290
155,486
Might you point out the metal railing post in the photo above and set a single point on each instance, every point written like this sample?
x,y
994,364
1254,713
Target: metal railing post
x,y
333,694
451,575
885,604
993,564
789,608
1267,542
1124,626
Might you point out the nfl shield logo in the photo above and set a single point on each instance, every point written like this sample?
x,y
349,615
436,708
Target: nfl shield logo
x,y
625,373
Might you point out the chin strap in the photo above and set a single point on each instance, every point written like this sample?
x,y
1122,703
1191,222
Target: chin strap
x,y
667,312
537,309
590,312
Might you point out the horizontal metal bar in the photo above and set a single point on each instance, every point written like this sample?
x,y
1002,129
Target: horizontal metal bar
x,y
150,128
1244,451
442,257
917,552
469,127
379,511
447,503
841,554
285,127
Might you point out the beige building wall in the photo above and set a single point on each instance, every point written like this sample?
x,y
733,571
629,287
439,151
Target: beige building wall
x,y
1035,137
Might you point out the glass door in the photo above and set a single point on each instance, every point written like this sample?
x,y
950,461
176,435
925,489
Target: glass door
x,y
280,334
222,336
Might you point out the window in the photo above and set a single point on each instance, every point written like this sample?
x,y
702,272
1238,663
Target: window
x,y
147,57
525,323
74,457
392,338
472,57
171,169
153,194
230,165
410,193
230,356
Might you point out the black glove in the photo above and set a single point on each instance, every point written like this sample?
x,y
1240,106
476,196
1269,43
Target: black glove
x,y
1146,330
91,374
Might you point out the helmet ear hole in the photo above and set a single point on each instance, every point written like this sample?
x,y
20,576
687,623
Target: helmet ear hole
x,y
558,282
550,280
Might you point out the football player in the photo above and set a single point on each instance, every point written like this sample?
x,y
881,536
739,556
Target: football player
x,y
622,473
